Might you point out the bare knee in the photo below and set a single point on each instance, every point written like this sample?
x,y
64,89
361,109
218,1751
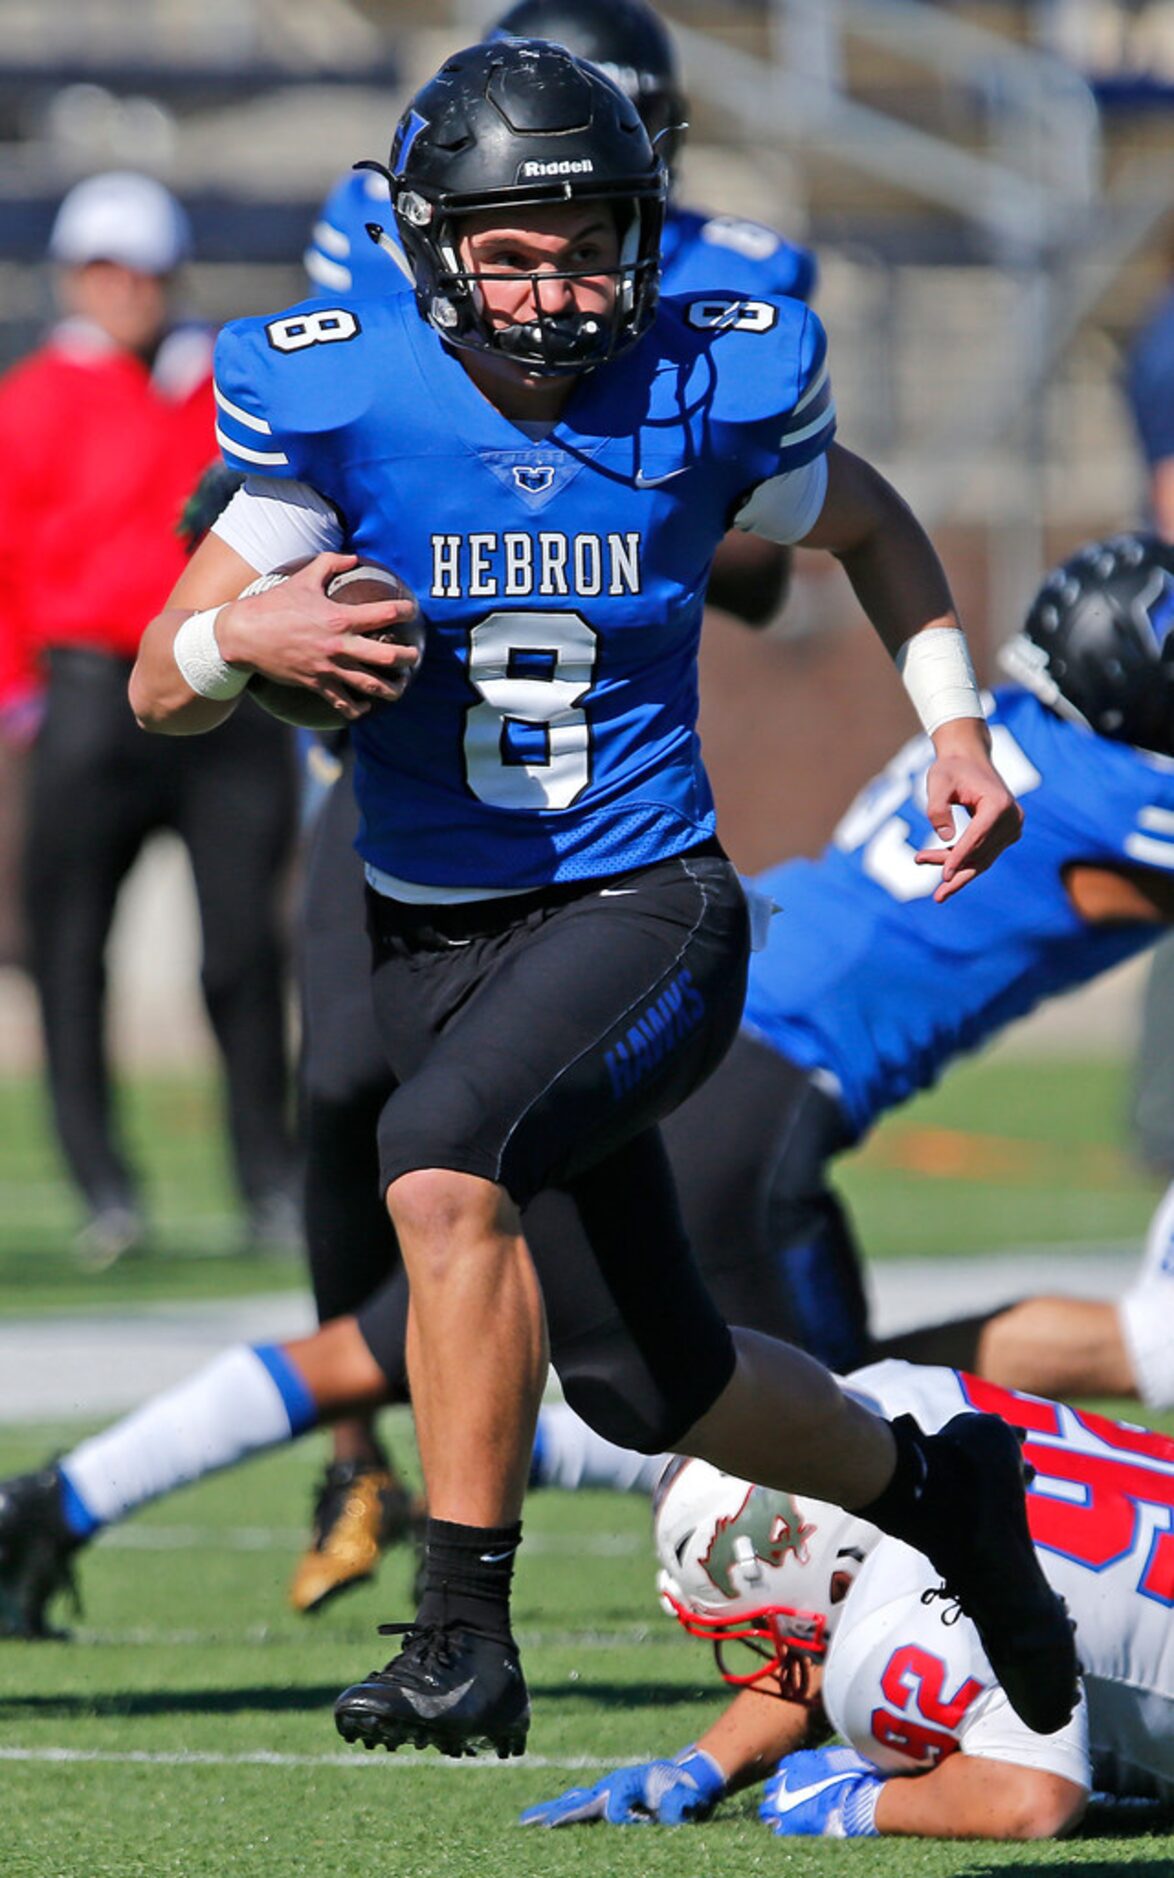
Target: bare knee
x,y
438,1213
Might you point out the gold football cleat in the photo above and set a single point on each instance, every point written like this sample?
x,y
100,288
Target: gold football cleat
x,y
360,1510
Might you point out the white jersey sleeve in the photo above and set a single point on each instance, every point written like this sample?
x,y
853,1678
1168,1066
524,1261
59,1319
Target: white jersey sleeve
x,y
270,523
786,507
907,1683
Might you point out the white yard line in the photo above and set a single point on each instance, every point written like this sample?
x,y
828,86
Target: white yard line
x,y
570,1763
148,1637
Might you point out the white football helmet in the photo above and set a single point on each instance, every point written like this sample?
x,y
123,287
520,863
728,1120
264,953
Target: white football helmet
x,y
746,1564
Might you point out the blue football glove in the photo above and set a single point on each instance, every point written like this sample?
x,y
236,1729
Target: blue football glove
x,y
664,1793
828,1793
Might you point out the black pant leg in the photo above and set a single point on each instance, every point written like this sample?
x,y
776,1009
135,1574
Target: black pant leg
x,y
94,793
236,812
750,1151
344,1078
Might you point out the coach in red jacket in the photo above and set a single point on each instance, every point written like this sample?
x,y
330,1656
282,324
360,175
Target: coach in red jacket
x,y
104,431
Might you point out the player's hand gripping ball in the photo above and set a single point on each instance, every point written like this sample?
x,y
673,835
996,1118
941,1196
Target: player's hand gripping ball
x,y
363,585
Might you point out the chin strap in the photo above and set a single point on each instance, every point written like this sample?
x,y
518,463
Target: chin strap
x,y
383,240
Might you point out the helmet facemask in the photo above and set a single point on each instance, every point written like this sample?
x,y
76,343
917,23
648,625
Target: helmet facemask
x,y
776,1643
548,343
757,1568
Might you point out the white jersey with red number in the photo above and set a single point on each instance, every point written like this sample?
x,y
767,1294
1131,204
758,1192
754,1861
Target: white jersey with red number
x,y
908,1683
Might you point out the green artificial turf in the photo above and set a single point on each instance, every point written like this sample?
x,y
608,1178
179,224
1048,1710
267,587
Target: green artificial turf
x,y
186,1729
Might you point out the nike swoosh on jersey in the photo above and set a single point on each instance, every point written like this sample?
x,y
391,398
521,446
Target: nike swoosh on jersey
x,y
653,482
430,1706
616,893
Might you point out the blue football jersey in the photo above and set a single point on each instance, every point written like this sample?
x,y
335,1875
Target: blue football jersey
x,y
867,977
549,734
699,253
341,257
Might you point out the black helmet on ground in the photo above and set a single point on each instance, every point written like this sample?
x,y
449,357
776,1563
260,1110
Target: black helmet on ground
x,y
1098,641
513,125
629,41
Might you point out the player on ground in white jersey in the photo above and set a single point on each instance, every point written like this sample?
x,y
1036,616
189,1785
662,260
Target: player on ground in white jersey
x,y
852,1636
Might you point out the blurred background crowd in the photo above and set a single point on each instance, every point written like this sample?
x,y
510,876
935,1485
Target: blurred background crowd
x,y
989,190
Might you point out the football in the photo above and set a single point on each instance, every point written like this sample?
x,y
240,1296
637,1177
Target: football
x,y
363,585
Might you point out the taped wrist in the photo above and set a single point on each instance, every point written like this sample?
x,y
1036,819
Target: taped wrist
x,y
937,673
197,654
702,1770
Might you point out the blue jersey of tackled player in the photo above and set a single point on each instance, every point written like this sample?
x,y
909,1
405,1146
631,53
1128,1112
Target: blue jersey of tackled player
x,y
698,252
866,977
549,734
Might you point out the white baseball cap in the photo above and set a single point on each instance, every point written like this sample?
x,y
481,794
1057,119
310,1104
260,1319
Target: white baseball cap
x,y
121,216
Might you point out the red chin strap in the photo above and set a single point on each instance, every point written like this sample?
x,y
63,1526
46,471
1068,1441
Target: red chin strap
x,y
774,1633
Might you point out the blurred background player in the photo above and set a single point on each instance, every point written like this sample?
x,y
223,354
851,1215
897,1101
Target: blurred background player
x,y
826,1626
103,433
361,1504
749,1150
1149,388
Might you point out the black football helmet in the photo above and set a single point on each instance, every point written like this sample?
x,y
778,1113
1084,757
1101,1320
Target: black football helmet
x,y
512,125
1098,641
629,41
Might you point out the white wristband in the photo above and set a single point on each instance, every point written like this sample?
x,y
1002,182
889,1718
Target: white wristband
x,y
935,665
198,657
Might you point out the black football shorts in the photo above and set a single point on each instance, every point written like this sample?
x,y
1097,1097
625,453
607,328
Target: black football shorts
x,y
532,1037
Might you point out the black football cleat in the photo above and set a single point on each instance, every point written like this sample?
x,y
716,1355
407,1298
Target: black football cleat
x,y
36,1550
971,1523
448,1688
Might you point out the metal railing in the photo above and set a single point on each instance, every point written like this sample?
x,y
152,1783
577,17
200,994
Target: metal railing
x,y
1030,189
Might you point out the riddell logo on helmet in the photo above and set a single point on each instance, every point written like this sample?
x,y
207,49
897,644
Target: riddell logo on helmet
x,y
558,166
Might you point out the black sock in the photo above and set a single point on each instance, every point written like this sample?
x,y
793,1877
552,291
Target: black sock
x,y
467,1574
897,1509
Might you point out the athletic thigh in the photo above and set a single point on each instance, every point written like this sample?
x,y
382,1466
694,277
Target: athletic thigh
x,y
531,1042
640,1348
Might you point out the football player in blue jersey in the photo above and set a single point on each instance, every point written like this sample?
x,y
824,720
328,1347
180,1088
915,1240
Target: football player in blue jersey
x,y
360,1503
559,944
1092,879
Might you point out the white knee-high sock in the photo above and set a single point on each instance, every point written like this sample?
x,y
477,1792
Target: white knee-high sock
x,y
1146,1311
250,1398
568,1453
